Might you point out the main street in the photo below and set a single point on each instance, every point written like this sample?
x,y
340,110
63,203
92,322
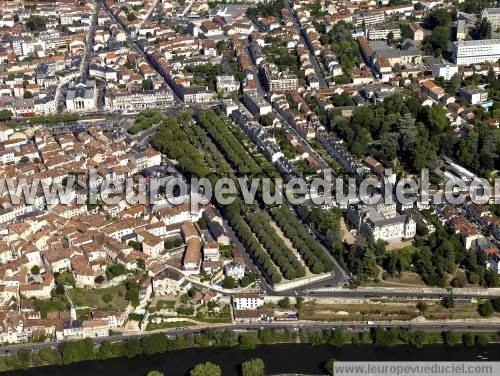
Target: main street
x,y
139,50
317,69
89,43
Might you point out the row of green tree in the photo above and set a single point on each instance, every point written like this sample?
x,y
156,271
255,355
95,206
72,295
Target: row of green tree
x,y
311,252
81,350
173,141
313,255
234,215
231,147
56,118
282,256
244,164
391,337
184,143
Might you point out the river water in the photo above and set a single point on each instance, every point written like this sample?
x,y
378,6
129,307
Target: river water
x,y
282,358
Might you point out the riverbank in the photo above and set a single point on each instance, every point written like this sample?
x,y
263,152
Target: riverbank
x,y
69,353
304,359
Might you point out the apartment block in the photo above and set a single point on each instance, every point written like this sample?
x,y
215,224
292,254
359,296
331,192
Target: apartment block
x,y
476,51
493,16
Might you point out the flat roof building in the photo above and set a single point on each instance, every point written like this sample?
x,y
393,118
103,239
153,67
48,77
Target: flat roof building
x,y
492,15
476,51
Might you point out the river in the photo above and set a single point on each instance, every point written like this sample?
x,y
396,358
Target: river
x,y
282,358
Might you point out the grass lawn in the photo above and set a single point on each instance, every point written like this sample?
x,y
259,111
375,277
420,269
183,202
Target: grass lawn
x,y
108,299
223,316
168,325
214,320
83,313
436,311
165,304
387,311
405,278
362,311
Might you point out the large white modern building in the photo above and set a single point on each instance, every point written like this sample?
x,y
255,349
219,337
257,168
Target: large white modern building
x,y
382,32
447,71
476,51
493,16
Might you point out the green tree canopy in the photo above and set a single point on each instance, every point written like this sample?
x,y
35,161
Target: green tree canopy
x,y
253,367
206,369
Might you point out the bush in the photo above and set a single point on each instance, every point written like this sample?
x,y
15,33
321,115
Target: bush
x,y
115,270
247,279
106,298
145,120
253,367
135,316
229,283
496,304
422,307
458,282
481,340
248,341
474,278
468,339
185,311
451,338
99,279
284,303
206,369
486,308
448,301
135,245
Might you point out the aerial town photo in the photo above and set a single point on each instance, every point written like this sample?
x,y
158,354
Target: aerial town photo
x,y
249,187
